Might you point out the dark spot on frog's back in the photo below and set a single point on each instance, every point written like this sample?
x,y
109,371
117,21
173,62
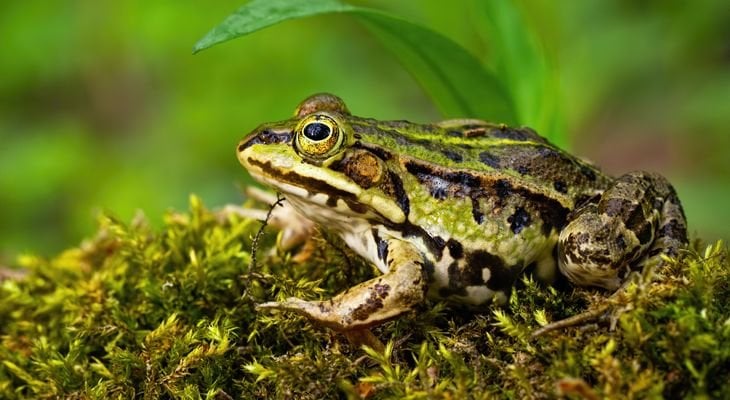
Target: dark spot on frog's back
x,y
560,186
463,178
502,188
452,155
588,172
402,140
519,220
489,159
426,174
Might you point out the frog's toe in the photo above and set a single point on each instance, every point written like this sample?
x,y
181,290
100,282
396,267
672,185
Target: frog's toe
x,y
269,305
290,304
321,312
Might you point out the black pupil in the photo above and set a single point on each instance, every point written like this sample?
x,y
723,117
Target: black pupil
x,y
317,131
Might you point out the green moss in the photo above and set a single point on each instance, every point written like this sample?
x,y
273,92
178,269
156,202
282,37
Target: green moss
x,y
135,312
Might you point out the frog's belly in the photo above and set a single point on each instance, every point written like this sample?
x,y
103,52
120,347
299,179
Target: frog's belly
x,y
486,275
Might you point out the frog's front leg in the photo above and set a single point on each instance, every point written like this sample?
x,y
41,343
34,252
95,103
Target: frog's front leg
x,y
633,222
371,302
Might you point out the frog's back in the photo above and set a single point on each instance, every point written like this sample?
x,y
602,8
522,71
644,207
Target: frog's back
x,y
467,148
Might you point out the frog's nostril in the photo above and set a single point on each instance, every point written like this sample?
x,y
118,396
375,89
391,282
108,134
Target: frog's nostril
x,y
266,136
269,137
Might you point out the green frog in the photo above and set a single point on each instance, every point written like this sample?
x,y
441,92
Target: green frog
x,y
455,210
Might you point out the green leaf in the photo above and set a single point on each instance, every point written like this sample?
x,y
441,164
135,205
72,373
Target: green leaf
x,y
456,81
259,14
522,66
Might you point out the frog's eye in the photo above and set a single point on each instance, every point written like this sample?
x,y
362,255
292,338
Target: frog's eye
x,y
318,136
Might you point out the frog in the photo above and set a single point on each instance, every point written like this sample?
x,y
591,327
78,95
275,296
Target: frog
x,y
456,210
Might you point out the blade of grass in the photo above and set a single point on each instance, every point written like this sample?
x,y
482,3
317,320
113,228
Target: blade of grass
x,y
522,65
259,14
456,81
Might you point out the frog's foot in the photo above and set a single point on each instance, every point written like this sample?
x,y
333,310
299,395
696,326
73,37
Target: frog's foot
x,y
610,309
294,229
372,302
325,314
626,229
629,226
353,314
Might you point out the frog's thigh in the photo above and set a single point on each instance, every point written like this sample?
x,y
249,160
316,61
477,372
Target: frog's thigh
x,y
373,301
636,219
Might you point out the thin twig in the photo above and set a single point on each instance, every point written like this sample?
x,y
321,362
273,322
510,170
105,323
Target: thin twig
x,y
256,238
251,273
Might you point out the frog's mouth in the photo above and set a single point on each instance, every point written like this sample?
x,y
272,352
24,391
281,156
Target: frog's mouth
x,y
305,184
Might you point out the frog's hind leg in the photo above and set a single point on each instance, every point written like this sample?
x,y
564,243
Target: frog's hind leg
x,y
632,223
372,302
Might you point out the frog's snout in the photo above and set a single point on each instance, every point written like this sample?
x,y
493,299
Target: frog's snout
x,y
264,136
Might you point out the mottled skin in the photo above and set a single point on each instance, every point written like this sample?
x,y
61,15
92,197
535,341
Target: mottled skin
x,y
457,209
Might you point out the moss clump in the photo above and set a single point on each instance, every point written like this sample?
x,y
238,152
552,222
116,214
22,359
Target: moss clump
x,y
136,313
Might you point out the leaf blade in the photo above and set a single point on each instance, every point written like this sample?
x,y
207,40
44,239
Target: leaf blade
x,y
259,14
456,81
520,62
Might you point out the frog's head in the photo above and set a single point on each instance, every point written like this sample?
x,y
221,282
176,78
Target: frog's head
x,y
318,162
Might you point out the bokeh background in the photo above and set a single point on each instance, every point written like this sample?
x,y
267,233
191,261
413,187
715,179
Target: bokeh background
x,y
104,108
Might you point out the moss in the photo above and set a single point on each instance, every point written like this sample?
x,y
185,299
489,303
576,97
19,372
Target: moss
x,y
141,313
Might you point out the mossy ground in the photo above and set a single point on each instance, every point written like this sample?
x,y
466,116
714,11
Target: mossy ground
x,y
140,313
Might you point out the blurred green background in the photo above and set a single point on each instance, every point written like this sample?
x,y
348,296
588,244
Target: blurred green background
x,y
103,107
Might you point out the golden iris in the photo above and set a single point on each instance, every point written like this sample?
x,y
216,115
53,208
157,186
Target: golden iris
x,y
318,136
